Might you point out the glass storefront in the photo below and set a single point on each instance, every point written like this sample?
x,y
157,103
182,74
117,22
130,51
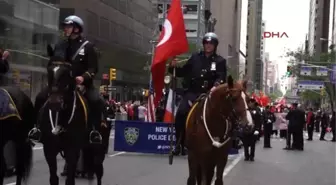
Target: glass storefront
x,y
26,28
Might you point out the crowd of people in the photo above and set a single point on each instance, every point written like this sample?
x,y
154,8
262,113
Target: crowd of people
x,y
288,123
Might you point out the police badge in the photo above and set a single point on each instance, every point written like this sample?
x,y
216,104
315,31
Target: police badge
x,y
131,135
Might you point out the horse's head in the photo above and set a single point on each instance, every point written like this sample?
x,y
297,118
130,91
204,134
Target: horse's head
x,y
60,82
232,99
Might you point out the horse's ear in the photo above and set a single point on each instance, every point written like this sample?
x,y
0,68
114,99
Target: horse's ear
x,y
50,51
230,82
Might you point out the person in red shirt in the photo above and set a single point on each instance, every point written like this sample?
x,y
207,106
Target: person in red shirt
x,y
310,124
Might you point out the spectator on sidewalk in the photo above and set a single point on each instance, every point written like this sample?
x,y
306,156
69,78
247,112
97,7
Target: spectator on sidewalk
x,y
142,110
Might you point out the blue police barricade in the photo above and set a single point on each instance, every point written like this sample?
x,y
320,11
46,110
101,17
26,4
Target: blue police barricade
x,y
144,137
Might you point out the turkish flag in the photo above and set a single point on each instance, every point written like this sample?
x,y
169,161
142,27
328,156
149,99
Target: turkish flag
x,y
173,41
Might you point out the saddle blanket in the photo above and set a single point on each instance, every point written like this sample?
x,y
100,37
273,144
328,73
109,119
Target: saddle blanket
x,y
7,106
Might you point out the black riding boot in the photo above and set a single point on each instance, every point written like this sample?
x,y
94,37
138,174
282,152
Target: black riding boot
x,y
179,132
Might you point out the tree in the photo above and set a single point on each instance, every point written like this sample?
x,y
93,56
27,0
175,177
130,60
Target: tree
x,y
324,59
311,98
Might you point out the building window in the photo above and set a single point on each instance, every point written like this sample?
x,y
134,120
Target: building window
x,y
93,23
104,28
168,6
114,31
190,9
160,8
316,1
191,27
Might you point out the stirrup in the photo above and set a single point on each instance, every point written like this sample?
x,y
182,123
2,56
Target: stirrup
x,y
98,139
33,133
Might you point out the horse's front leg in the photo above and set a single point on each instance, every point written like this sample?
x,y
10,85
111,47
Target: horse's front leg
x,y
71,157
193,165
2,164
50,153
221,163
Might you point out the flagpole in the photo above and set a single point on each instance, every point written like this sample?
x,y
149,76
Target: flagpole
x,y
173,86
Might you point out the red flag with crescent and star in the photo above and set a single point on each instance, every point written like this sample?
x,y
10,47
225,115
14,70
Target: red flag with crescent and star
x,y
173,41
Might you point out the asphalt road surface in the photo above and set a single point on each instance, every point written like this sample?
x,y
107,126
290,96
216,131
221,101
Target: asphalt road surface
x,y
315,165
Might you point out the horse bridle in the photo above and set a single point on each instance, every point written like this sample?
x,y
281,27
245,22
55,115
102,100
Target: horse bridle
x,y
233,113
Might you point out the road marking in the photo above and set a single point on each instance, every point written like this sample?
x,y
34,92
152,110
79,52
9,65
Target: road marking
x,y
229,168
232,165
116,154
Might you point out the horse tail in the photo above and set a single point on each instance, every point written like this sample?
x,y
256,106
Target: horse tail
x,y
24,158
24,154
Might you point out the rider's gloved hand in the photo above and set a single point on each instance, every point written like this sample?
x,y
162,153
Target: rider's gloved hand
x,y
5,55
79,80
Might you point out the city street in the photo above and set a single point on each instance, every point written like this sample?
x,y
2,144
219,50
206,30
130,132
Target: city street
x,y
315,165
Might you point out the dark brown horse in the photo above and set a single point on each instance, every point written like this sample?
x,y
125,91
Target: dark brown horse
x,y
17,118
210,126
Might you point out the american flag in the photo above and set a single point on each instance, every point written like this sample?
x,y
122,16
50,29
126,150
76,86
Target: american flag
x,y
151,106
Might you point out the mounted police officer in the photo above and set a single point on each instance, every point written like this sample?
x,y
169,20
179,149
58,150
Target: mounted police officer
x,y
84,64
4,65
203,72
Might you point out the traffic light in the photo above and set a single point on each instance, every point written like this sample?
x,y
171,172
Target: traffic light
x,y
113,74
289,71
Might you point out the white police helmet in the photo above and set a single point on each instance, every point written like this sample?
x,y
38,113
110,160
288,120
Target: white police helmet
x,y
74,20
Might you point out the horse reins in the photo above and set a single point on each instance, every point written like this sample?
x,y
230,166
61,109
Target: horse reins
x,y
234,118
54,125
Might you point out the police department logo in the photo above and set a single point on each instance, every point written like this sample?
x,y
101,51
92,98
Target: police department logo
x,y
131,135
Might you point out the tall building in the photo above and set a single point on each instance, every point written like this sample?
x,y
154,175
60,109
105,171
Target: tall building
x,y
121,30
243,34
254,60
318,26
227,13
263,56
334,25
194,19
271,76
265,74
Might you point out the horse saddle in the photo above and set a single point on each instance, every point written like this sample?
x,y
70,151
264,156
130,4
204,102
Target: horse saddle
x,y
7,106
198,101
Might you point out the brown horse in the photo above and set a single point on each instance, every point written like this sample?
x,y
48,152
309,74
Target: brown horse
x,y
210,126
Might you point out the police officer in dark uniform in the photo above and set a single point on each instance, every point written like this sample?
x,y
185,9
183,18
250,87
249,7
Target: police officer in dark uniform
x,y
85,66
203,72
250,137
4,65
324,124
296,118
268,126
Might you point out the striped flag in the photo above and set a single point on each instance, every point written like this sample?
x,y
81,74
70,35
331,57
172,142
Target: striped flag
x,y
151,107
